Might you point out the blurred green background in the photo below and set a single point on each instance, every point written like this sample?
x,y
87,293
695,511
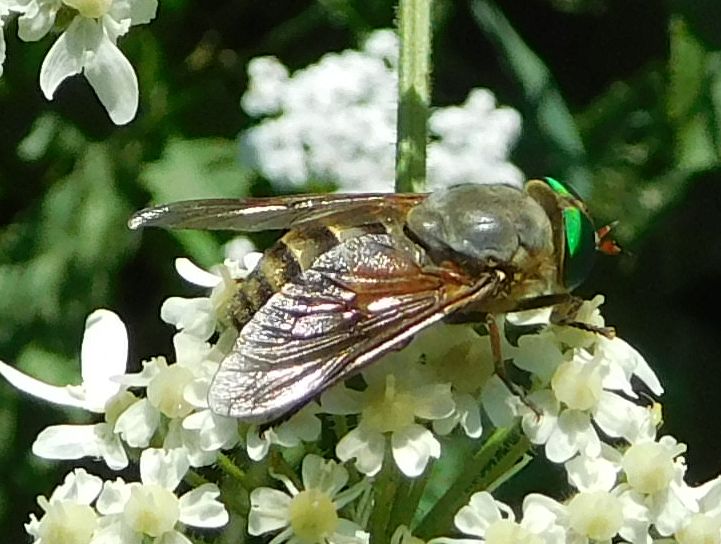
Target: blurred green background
x,y
622,98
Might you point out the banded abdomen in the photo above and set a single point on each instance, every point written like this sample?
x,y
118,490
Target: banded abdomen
x,y
285,260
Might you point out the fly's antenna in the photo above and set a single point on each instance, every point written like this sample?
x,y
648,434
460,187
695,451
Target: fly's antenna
x,y
605,243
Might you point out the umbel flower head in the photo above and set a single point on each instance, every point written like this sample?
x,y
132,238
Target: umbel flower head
x,y
309,515
624,480
336,121
88,45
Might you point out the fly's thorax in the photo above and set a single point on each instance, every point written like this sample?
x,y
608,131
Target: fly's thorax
x,y
496,224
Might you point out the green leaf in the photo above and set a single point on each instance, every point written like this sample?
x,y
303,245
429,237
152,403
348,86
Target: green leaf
x,y
548,108
687,68
202,168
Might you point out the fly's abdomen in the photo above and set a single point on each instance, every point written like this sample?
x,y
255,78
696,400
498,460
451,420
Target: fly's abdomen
x,y
284,261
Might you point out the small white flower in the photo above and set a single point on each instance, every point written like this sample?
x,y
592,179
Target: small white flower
x,y
457,355
336,121
473,142
303,426
310,515
655,481
581,392
150,508
589,516
493,521
177,392
703,525
103,357
88,45
200,316
103,360
389,406
68,516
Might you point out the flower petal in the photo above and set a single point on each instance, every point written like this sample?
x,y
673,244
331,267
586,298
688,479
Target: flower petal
x,y
143,11
268,510
37,20
114,80
412,447
171,537
51,393
574,433
326,476
478,514
192,273
113,497
103,356
78,486
433,401
591,473
137,424
201,508
347,532
66,56
2,47
499,403
165,468
66,442
619,417
194,316
366,446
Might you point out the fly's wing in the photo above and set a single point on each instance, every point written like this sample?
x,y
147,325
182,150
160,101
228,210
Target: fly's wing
x,y
274,213
360,300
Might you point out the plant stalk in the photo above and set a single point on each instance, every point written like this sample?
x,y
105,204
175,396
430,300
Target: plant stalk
x,y
414,68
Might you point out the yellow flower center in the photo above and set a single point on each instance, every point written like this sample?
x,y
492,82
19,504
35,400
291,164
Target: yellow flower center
x,y
152,510
466,366
506,531
389,409
596,515
165,391
68,522
700,530
92,9
577,386
649,467
313,516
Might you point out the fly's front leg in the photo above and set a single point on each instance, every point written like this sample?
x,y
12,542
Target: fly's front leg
x,y
565,313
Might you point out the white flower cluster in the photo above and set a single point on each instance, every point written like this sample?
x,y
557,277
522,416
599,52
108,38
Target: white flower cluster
x,y
581,410
88,45
335,121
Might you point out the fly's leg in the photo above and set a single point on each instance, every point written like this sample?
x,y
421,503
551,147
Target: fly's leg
x,y
565,310
494,335
564,313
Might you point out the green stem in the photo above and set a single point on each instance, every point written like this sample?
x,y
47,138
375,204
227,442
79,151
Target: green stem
x,y
193,479
385,487
503,450
414,68
407,506
227,465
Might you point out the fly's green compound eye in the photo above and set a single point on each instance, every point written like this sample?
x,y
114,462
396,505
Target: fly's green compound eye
x,y
579,235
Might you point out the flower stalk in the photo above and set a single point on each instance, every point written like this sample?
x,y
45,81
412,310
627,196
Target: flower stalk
x,y
497,456
414,69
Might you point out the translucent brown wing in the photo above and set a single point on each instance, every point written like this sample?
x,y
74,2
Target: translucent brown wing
x,y
361,299
256,214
